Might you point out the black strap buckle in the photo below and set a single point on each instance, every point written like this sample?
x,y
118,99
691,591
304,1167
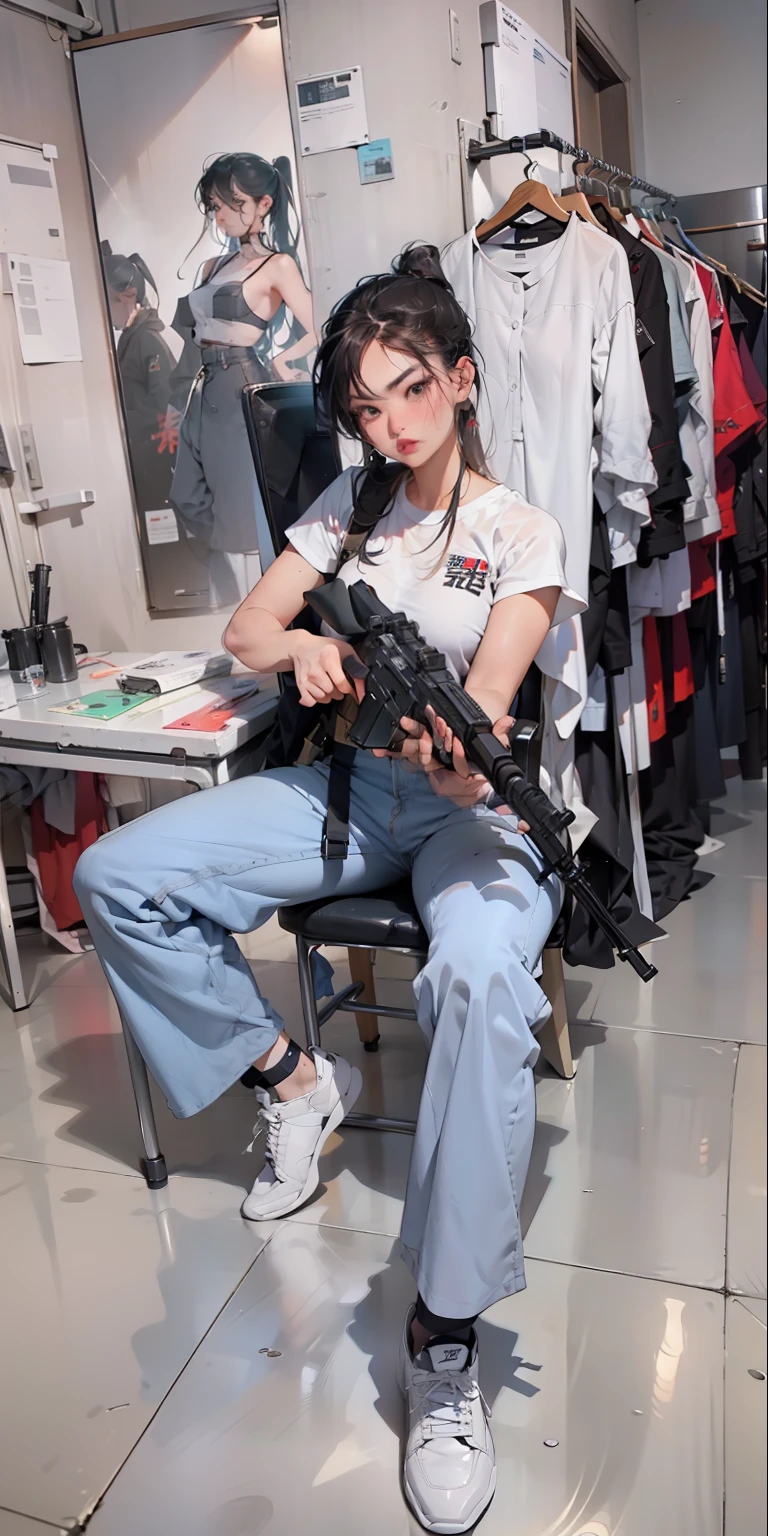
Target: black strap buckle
x,y
333,847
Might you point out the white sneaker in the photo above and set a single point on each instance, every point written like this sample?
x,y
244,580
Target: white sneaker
x,y
449,1471
296,1134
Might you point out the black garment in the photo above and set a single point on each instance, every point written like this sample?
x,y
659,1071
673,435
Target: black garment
x,y
605,625
744,312
654,345
191,361
145,363
673,827
759,349
608,853
751,599
707,769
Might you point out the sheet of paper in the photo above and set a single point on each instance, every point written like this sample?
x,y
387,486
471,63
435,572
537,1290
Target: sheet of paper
x,y
553,89
46,317
162,527
375,162
332,112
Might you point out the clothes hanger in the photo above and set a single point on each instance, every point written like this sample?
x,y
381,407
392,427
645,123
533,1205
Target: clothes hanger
x,y
608,197
528,195
573,199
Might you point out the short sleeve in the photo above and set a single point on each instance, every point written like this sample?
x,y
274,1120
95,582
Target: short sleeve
x,y
318,533
531,555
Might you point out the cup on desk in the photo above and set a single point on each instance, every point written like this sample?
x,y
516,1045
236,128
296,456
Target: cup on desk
x,y
58,652
25,661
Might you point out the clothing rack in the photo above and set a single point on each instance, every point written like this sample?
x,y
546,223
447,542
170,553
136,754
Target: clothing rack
x,y
521,144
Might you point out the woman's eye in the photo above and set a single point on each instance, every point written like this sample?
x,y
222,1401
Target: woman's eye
x,y
418,389
369,412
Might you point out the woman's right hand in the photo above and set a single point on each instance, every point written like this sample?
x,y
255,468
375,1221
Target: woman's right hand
x,y
318,664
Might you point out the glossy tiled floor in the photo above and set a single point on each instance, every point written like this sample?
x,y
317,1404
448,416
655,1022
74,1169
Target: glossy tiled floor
x,y
136,1391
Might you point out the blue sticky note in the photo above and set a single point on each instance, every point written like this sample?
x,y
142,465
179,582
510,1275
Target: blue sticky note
x,y
375,161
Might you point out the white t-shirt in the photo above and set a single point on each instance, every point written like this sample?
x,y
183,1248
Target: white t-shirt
x,y
500,546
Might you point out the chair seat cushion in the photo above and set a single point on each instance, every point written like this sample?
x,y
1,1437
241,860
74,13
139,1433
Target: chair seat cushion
x,y
386,919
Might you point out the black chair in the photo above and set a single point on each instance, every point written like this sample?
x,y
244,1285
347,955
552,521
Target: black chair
x,y
295,460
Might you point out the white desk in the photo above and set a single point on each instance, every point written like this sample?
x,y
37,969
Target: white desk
x,y
139,746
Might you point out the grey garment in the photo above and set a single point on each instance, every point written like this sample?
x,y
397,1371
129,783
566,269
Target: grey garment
x,y
163,896
214,490
57,786
679,321
219,307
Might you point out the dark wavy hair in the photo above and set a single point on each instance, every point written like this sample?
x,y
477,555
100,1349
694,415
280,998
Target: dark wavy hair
x,y
412,309
257,178
123,272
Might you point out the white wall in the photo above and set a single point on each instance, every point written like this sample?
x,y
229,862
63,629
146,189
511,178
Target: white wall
x,y
704,98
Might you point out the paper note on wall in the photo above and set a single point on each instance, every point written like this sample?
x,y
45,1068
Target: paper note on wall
x,y
332,112
46,317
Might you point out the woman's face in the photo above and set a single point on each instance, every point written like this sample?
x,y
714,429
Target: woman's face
x,y
406,411
241,214
121,306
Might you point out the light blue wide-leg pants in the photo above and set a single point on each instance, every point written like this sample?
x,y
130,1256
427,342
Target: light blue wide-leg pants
x,y
163,896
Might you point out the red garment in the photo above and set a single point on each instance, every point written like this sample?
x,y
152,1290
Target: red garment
x,y
682,660
57,853
654,681
735,413
703,578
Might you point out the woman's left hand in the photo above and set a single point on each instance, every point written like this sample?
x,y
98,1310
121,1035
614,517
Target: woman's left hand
x,y
283,370
463,784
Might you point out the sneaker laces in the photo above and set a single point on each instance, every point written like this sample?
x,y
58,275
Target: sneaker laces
x,y
444,1400
270,1123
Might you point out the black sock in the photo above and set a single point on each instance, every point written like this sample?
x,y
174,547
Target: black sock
x,y
277,1074
456,1327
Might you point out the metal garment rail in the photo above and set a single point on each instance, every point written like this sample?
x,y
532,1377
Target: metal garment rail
x,y
521,144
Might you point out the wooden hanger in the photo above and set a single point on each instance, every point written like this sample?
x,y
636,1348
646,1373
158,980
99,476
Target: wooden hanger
x,y
528,194
574,201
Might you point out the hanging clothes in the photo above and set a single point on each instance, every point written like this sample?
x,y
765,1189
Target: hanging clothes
x,y
564,419
654,345
563,412
735,415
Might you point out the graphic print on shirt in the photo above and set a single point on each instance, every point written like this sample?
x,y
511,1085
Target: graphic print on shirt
x,y
466,574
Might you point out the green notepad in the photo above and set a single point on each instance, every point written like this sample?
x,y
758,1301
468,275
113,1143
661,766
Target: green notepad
x,y
106,704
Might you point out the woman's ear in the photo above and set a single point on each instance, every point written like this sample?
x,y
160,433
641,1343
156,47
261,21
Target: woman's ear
x,y
465,372
264,204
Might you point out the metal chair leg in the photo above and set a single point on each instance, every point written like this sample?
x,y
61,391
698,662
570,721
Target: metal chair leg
x,y
361,969
307,991
9,950
153,1162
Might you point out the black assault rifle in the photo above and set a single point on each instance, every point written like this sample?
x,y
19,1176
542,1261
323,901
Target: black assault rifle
x,y
405,676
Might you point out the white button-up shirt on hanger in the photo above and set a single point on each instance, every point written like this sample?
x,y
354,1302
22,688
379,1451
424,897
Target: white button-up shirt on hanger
x,y
552,336
563,413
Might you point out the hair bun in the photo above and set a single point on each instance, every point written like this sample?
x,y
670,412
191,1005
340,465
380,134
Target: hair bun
x,y
418,260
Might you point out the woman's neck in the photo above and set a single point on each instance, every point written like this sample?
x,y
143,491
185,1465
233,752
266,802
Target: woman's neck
x,y
432,484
